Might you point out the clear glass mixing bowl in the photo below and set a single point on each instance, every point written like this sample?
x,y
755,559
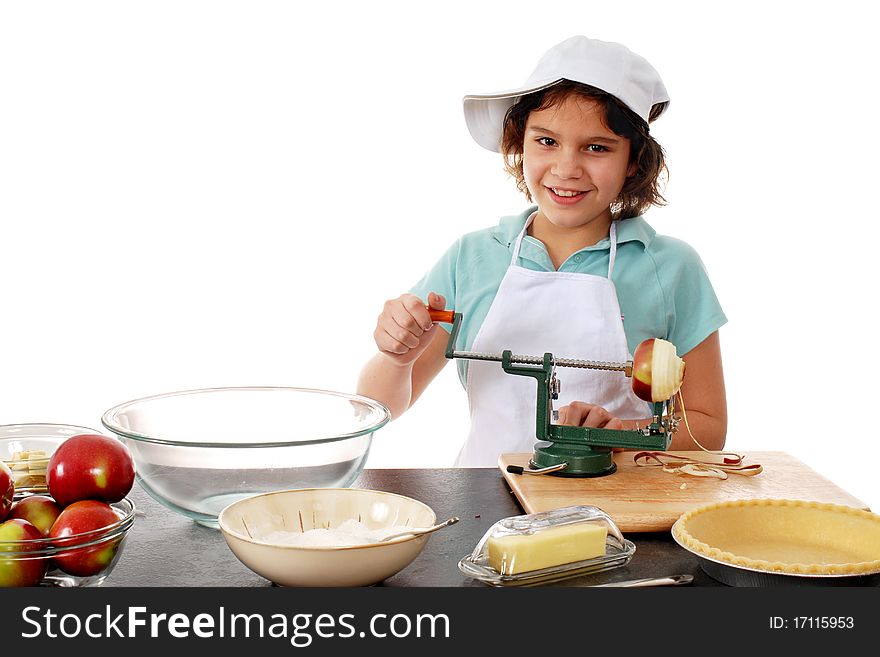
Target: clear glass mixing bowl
x,y
197,451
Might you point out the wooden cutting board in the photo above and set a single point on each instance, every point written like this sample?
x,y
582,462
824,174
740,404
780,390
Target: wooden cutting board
x,y
646,499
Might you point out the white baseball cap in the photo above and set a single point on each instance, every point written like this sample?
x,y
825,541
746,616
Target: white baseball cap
x,y
608,66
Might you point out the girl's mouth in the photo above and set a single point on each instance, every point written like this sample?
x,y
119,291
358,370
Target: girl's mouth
x,y
566,196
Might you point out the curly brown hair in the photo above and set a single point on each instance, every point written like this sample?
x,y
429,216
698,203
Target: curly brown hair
x,y
641,190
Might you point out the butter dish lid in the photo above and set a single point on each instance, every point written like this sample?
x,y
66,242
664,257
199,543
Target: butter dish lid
x,y
533,523
544,547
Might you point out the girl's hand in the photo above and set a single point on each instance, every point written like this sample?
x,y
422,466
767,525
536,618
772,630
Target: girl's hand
x,y
404,328
581,414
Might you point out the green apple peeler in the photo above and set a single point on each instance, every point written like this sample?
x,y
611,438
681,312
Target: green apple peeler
x,y
563,450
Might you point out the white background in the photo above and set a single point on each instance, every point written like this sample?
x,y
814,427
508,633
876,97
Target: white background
x,y
198,194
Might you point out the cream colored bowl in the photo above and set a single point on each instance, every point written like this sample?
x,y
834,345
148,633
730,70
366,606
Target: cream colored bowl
x,y
245,523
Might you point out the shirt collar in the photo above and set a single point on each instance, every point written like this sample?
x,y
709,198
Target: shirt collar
x,y
634,229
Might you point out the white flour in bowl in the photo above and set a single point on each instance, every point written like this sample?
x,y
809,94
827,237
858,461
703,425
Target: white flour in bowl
x,y
348,533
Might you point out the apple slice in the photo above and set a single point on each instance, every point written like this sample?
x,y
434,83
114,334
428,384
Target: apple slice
x,y
657,370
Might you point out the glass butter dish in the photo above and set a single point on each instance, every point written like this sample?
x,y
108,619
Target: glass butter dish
x,y
545,547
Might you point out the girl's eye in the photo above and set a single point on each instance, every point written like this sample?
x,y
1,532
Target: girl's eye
x,y
546,141
596,148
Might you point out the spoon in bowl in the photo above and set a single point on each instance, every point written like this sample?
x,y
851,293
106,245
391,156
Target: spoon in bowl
x,y
418,531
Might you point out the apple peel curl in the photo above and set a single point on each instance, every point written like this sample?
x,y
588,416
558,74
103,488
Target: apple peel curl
x,y
731,462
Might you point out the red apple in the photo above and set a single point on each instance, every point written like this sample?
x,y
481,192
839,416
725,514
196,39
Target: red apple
x,y
90,466
20,570
7,490
78,518
39,510
641,374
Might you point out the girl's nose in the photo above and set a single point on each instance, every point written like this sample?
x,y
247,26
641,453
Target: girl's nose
x,y
567,165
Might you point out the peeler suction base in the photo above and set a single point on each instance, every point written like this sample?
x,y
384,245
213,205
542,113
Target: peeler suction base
x,y
581,461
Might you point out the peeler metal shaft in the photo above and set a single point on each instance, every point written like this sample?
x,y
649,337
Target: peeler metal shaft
x,y
517,359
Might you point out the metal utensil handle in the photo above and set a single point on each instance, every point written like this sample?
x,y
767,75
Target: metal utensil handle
x,y
670,580
419,531
520,470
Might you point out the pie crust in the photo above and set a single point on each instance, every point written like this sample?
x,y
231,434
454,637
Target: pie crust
x,y
784,536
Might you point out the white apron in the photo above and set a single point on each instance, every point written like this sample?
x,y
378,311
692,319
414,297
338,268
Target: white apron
x,y
568,314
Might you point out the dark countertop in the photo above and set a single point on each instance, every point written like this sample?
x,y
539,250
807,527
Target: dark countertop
x,y
166,549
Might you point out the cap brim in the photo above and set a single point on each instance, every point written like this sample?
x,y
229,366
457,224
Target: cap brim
x,y
484,113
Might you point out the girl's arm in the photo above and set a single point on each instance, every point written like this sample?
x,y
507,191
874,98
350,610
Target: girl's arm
x,y
704,397
409,357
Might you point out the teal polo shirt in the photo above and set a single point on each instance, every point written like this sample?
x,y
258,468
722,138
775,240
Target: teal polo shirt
x,y
662,285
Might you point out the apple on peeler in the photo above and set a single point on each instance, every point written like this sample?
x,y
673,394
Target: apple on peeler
x,y
657,370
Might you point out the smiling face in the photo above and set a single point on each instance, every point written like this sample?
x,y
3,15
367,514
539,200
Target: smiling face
x,y
574,166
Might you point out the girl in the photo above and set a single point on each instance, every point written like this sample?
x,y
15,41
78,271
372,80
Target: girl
x,y
580,274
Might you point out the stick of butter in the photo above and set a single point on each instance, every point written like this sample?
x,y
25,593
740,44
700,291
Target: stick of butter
x,y
519,553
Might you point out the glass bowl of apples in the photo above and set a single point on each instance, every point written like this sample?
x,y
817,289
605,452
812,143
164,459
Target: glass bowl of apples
x,y
64,514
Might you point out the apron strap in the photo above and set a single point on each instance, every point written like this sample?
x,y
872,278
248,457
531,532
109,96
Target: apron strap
x,y
612,236
519,239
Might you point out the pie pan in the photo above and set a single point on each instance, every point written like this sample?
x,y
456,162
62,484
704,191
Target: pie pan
x,y
767,542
